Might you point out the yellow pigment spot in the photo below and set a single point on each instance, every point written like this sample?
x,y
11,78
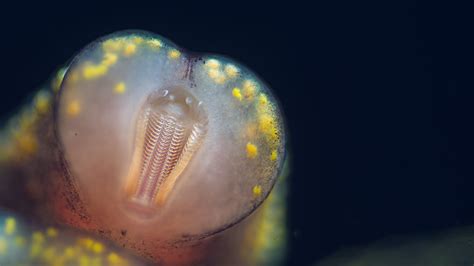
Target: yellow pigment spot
x,y
51,232
213,63
257,190
262,100
113,258
217,76
267,125
35,250
273,155
37,237
20,241
137,40
3,246
236,93
231,71
84,260
130,49
120,88
49,254
173,54
252,150
109,59
27,142
220,79
91,71
69,252
249,88
112,45
97,247
73,108
265,229
86,242
10,226
154,43
213,73
42,102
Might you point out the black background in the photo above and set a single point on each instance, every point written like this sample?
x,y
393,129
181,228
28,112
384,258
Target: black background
x,y
377,96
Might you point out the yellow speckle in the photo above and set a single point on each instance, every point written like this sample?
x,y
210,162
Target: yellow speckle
x,y
216,75
249,88
137,40
231,71
266,228
112,45
37,241
273,155
49,254
84,260
173,54
109,59
263,106
20,241
51,232
27,142
257,190
262,100
120,88
130,49
10,226
91,71
35,250
42,101
73,108
155,43
37,237
86,242
113,258
220,79
267,125
213,73
69,252
213,63
252,150
236,93
97,247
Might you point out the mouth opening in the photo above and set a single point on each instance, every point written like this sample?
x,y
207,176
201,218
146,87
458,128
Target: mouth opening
x,y
171,126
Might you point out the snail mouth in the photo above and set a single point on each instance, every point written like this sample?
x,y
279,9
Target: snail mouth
x,y
171,126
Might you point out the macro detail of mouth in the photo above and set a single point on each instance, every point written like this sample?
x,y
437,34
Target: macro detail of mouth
x,y
171,126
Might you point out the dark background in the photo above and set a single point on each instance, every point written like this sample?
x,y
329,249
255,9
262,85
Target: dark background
x,y
378,99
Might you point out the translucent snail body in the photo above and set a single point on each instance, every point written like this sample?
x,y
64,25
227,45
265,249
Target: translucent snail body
x,y
159,150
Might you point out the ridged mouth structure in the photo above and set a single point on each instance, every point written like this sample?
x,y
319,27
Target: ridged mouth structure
x,y
170,128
